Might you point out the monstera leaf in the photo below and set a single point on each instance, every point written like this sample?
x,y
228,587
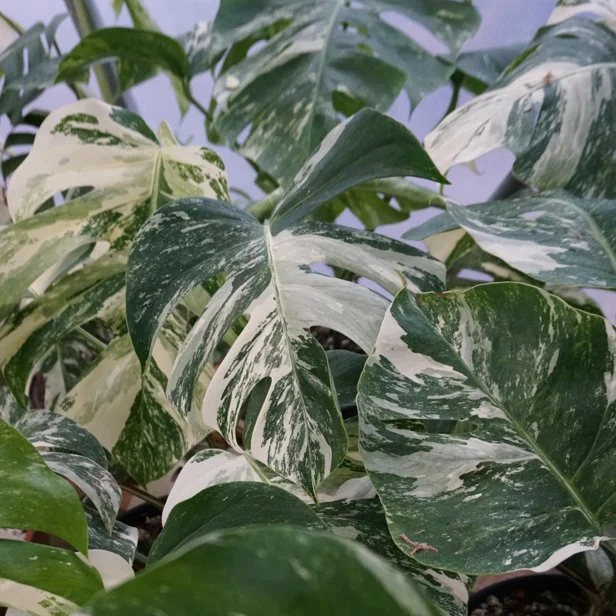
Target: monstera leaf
x,y
321,58
34,497
276,374
130,173
560,93
306,573
485,419
554,237
26,65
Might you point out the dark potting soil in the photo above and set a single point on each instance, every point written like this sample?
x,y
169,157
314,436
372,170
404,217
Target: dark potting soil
x,y
524,601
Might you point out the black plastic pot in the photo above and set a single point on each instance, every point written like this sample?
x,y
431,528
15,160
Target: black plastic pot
x,y
563,587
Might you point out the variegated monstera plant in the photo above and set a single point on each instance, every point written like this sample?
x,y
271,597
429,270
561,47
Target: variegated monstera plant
x,y
458,429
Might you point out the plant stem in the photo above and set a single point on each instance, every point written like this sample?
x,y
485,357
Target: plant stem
x,y
189,95
144,495
262,209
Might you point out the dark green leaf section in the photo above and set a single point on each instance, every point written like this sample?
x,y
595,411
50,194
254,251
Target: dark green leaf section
x,y
276,572
346,368
50,430
364,521
133,47
230,505
488,423
35,498
368,146
122,540
59,572
319,59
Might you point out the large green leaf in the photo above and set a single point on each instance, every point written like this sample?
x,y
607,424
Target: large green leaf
x,y
230,505
320,58
276,370
367,146
274,572
43,580
561,92
33,497
127,414
486,422
364,521
555,237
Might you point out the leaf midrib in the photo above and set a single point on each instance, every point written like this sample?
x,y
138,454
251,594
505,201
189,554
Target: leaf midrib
x,y
534,447
280,309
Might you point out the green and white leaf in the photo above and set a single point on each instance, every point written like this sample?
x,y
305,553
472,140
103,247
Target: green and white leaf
x,y
127,414
93,480
10,410
50,430
487,426
555,237
367,146
292,571
33,497
318,59
44,581
293,424
364,521
121,541
606,9
237,504
24,64
553,110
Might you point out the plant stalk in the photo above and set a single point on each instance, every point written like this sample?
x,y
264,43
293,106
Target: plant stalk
x,y
144,495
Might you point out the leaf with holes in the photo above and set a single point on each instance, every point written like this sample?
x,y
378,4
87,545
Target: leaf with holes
x,y
33,497
275,370
26,64
127,414
276,373
318,59
487,426
561,92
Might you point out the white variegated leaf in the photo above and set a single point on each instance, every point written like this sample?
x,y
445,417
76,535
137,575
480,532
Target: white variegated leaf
x,y
556,238
96,482
276,370
49,430
487,422
553,110
122,540
130,173
320,58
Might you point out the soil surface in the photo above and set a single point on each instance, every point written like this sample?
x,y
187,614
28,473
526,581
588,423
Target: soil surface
x,y
524,601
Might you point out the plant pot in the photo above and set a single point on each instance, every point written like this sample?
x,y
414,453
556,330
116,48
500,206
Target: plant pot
x,y
545,594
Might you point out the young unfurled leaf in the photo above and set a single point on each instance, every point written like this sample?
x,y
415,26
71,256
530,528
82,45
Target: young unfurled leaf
x,y
486,421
